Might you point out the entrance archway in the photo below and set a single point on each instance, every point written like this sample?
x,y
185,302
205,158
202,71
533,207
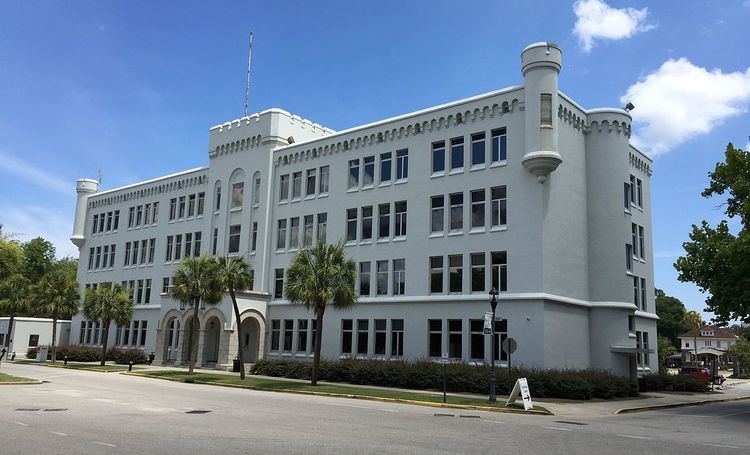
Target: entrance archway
x,y
171,340
211,340
250,339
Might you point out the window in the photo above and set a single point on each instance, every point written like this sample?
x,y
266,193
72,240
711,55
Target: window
x,y
197,243
639,187
399,276
632,189
436,274
109,219
477,208
626,194
435,327
165,285
455,341
101,223
254,239
346,336
499,270
362,336
382,271
215,241
631,323
368,163
457,211
284,187
168,254
367,223
322,226
437,213
138,216
144,251
131,215
181,207
217,202
117,216
302,335
476,339
281,235
146,215
297,185
188,244
238,192
256,191
126,335
402,164
380,336
105,256
95,224
499,206
438,157
457,153
91,255
275,334
501,333
384,221
353,174
234,238
134,257
278,289
644,302
628,257
191,205
455,272
151,251
310,187
399,229
308,238
634,238
201,205
546,110
294,232
351,225
364,278
499,145
323,184
477,272
397,337
639,347
478,154
33,341
385,167
98,257
636,293
147,298
288,334
641,242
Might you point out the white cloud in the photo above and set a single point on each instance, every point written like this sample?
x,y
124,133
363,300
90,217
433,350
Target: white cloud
x,y
52,223
35,175
681,100
597,20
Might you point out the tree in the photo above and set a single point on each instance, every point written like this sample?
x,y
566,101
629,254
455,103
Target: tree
x,y
666,348
11,258
740,352
234,274
715,259
197,280
58,296
671,312
318,277
693,320
14,300
39,255
108,303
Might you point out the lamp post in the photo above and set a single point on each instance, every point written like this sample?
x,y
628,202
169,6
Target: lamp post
x,y
493,374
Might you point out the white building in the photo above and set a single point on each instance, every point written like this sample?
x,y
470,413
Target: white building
x,y
521,189
31,332
706,343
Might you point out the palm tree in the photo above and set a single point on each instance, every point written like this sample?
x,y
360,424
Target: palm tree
x,y
58,296
694,320
197,280
321,276
108,303
14,299
234,273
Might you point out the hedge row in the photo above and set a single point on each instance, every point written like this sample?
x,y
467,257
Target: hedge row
x,y
93,354
425,375
673,383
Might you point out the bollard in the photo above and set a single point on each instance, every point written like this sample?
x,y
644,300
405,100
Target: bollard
x,y
130,366
65,360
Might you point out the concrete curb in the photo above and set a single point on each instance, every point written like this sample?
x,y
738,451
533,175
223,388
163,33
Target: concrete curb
x,y
357,397
32,382
676,405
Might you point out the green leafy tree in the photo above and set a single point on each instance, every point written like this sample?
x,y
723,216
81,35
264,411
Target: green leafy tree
x,y
740,352
318,277
234,273
14,300
58,297
671,312
666,348
108,303
197,280
717,260
11,258
39,255
694,320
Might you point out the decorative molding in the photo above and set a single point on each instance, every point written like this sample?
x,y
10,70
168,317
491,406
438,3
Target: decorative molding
x,y
640,164
96,200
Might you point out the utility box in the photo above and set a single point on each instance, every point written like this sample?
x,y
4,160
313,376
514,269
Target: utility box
x,y
41,353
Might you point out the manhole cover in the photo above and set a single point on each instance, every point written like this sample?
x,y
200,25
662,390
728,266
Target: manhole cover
x,y
570,423
55,409
28,409
198,411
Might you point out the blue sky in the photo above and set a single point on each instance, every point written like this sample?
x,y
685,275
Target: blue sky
x,y
132,88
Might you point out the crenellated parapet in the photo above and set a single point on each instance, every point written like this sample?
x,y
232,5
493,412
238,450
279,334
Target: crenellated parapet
x,y
609,120
166,184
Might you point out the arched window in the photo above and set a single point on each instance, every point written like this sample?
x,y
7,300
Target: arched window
x,y
237,188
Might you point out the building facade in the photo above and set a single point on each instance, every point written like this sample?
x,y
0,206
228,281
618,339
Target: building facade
x,y
519,189
705,344
31,332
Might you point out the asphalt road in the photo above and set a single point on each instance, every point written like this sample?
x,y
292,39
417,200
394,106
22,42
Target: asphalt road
x,y
86,412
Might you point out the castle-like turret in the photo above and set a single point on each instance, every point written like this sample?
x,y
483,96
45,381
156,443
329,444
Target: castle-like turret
x,y
84,188
540,65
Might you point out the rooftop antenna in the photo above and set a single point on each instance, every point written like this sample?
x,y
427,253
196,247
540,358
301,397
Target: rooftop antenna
x,y
249,60
99,173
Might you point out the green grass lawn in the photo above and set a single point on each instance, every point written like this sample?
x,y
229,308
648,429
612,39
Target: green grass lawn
x,y
8,379
266,384
89,367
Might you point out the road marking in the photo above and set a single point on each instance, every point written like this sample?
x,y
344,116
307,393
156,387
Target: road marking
x,y
362,407
21,423
631,436
558,428
732,414
494,421
104,444
722,446
58,433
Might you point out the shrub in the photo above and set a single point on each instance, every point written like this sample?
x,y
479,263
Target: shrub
x,y
673,383
93,354
125,356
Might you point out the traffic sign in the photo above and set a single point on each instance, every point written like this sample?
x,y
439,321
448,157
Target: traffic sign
x,y
509,345
445,359
488,323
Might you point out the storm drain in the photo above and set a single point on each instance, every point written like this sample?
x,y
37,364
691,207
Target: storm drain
x,y
569,422
198,411
28,409
55,409
469,416
443,415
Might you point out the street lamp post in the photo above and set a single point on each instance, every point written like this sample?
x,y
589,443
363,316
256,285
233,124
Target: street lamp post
x,y
493,374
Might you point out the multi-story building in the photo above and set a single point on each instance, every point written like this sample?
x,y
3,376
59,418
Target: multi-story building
x,y
519,189
706,343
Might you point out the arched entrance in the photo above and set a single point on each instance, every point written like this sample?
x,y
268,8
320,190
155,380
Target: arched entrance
x,y
250,339
171,340
195,326
211,336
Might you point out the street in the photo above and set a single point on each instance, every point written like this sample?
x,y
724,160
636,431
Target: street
x,y
89,412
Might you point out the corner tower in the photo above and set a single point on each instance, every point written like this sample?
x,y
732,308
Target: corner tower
x,y
84,188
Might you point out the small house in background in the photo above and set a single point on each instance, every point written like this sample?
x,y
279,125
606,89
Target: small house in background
x,y
32,332
708,343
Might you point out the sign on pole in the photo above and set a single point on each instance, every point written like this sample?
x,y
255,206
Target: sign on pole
x,y
445,359
509,345
488,323
521,387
